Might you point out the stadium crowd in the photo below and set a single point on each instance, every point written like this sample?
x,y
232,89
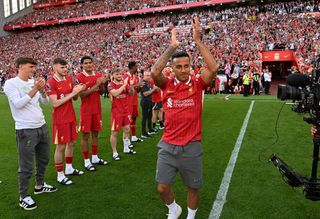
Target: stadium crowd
x,y
88,8
235,36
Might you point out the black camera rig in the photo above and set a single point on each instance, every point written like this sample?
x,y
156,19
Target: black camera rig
x,y
304,91
310,185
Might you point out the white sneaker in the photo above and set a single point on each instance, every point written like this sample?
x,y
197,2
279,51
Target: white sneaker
x,y
175,215
136,139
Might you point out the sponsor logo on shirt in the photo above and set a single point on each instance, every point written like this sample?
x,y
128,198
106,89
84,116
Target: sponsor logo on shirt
x,y
180,103
183,103
24,88
169,103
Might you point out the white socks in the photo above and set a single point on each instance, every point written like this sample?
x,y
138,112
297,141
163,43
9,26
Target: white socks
x,y
60,176
69,168
126,143
191,213
95,158
173,207
87,162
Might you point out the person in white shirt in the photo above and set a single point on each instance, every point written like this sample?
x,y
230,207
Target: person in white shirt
x,y
24,94
267,80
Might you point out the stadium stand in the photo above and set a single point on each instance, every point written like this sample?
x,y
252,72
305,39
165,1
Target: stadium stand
x,y
234,35
88,8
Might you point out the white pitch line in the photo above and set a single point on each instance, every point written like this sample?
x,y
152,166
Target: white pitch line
x,y
224,186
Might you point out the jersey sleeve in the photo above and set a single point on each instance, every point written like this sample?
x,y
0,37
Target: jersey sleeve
x,y
128,87
110,87
164,84
79,78
51,88
200,83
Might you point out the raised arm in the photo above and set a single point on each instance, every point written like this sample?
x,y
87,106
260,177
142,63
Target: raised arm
x,y
156,71
209,73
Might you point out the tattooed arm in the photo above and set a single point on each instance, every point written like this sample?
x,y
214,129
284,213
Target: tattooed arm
x,y
156,71
208,74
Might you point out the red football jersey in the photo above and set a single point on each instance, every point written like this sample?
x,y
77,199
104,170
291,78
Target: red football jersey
x,y
119,103
90,104
182,104
132,99
157,95
65,112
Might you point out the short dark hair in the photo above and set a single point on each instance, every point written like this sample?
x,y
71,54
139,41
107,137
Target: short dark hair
x,y
25,60
179,54
84,58
60,61
131,64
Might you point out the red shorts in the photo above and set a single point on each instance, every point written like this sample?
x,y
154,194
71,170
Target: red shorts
x,y
119,121
64,133
133,110
90,123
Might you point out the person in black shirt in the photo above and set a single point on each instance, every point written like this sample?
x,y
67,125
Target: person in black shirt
x,y
256,82
146,104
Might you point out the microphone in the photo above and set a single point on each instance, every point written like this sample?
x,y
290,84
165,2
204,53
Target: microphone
x,y
298,80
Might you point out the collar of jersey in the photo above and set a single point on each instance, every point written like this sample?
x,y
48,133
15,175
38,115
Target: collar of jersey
x,y
176,81
117,83
128,73
58,79
87,75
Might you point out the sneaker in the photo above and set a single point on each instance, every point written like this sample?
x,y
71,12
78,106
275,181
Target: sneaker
x,y
73,172
99,162
146,135
152,133
137,140
161,125
130,152
27,203
45,188
116,157
175,215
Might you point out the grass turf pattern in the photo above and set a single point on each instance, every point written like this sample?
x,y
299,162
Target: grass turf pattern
x,y
126,188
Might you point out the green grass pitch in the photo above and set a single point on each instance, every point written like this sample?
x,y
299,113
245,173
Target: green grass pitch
x,y
126,189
